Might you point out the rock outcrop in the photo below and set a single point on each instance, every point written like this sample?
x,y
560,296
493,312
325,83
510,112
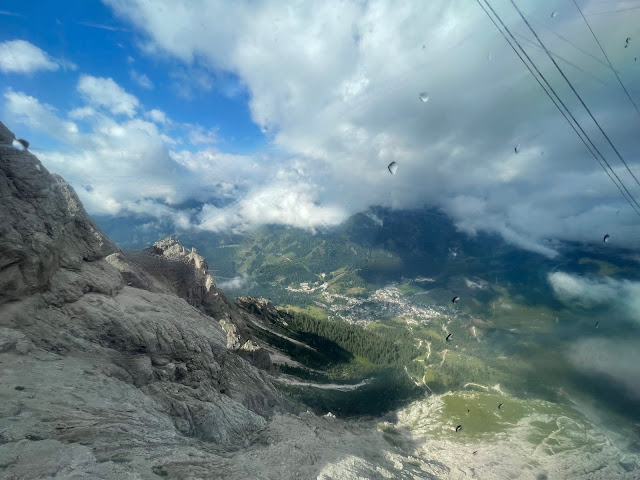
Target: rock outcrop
x,y
44,231
262,308
70,297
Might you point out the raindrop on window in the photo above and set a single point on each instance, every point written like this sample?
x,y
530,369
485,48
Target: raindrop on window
x,y
424,96
393,168
517,149
554,14
20,144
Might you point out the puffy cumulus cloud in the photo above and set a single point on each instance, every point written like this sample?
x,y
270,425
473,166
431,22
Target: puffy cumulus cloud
x,y
20,56
615,359
336,86
28,110
81,113
142,79
286,199
623,296
104,92
115,165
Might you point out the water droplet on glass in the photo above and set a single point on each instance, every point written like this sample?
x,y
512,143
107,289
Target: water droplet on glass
x,y
424,96
489,57
517,149
554,14
20,144
393,168
606,238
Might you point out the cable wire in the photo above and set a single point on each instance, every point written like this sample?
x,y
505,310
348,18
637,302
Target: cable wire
x,y
574,91
606,57
556,103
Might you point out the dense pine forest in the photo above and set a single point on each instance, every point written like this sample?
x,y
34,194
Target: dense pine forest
x,y
377,349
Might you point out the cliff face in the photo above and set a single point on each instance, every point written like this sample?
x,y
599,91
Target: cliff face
x,y
45,233
89,335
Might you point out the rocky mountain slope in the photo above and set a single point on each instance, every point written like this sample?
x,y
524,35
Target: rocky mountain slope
x,y
137,366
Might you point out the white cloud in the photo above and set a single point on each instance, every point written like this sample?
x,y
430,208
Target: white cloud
x,y
622,296
28,110
217,166
234,283
157,116
20,56
286,199
616,359
104,92
168,140
142,79
336,87
124,165
81,113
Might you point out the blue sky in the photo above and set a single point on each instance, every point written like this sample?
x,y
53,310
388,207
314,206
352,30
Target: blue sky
x,y
291,113
87,34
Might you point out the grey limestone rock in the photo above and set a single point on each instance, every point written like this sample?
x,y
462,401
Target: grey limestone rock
x,y
43,227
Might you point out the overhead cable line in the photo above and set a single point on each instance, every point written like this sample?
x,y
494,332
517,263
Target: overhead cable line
x,y
589,148
575,46
574,91
606,57
558,106
613,11
601,82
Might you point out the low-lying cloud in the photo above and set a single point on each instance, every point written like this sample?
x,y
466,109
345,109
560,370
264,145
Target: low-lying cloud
x,y
235,283
616,359
622,296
